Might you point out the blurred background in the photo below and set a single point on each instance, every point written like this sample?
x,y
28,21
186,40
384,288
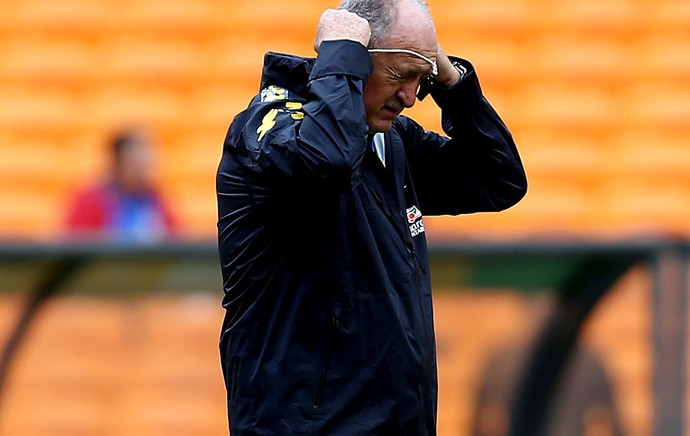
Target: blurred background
x,y
596,93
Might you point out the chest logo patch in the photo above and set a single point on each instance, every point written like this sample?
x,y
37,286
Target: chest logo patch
x,y
414,218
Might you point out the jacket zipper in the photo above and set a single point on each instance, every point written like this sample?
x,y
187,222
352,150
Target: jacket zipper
x,y
420,299
427,342
326,362
396,226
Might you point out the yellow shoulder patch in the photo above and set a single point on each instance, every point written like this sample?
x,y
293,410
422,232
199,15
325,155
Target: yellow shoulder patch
x,y
268,122
294,108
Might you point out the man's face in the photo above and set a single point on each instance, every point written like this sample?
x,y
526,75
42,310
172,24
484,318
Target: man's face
x,y
395,79
392,87
134,170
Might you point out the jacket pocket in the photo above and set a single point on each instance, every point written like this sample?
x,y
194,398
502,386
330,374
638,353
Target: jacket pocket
x,y
333,330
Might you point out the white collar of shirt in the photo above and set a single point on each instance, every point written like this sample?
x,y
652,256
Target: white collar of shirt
x,y
379,146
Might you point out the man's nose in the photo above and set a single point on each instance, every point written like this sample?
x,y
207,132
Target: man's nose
x,y
408,94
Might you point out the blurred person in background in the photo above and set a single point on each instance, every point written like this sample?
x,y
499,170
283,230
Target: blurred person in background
x,y
125,205
321,189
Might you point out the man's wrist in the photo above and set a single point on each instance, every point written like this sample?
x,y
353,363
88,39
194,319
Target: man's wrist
x,y
455,77
459,67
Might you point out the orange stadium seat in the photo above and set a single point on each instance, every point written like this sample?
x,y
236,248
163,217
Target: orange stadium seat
x,y
197,168
501,65
24,159
17,224
194,202
662,105
132,102
216,104
181,16
641,155
48,60
299,17
661,57
76,17
148,58
566,107
500,20
593,18
652,205
37,107
582,160
668,15
585,61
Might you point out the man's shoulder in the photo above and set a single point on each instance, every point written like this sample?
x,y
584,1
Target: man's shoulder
x,y
97,192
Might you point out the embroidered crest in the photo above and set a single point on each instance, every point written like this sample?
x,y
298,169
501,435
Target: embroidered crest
x,y
273,93
414,218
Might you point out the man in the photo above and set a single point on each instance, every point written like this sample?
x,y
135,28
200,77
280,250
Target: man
x,y
321,189
126,205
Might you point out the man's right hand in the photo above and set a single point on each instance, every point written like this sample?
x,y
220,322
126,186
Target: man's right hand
x,y
341,24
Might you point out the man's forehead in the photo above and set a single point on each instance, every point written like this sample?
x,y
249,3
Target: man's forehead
x,y
412,38
413,30
419,39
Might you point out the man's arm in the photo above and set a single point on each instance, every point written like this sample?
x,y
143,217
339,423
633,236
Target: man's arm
x,y
320,136
478,169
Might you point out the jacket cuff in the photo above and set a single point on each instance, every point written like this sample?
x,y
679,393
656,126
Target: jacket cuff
x,y
342,57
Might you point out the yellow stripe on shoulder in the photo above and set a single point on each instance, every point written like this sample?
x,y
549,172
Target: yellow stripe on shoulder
x,y
268,122
293,105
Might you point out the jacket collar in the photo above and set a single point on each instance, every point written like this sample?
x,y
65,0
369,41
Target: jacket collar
x,y
286,71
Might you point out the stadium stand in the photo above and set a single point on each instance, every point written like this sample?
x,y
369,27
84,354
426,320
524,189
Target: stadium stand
x,y
571,80
595,92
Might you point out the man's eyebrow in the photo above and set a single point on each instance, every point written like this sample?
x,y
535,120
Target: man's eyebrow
x,y
409,72
434,65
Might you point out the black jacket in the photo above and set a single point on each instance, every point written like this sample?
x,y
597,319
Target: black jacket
x,y
329,325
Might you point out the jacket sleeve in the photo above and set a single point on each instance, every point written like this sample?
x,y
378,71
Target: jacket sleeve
x,y
320,137
477,169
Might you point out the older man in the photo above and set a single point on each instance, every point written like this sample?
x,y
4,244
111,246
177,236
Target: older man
x,y
321,190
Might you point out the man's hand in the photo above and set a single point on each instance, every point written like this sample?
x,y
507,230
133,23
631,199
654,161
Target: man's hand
x,y
341,24
448,75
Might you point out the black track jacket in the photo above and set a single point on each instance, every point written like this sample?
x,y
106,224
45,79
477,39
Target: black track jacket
x,y
329,327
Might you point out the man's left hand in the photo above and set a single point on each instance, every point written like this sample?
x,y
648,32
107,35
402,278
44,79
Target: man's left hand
x,y
448,75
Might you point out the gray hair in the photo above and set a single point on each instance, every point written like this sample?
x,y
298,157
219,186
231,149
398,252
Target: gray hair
x,y
381,15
